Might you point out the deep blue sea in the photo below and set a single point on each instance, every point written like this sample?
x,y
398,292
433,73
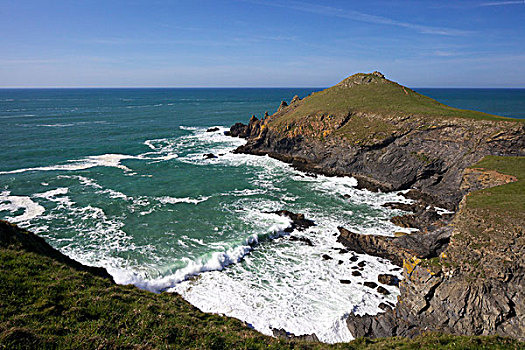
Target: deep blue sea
x,y
117,178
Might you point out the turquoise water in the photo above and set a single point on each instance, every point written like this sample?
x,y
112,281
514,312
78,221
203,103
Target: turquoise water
x,y
118,178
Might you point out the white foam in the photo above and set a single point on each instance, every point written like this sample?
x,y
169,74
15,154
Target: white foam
x,y
15,203
105,160
172,200
216,261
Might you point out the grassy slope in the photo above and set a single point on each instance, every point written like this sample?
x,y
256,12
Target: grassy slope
x,y
380,96
45,303
510,197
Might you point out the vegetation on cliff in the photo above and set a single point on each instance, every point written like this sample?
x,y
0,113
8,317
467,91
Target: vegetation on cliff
x,y
49,301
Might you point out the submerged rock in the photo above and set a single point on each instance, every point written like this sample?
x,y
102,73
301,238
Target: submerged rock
x,y
388,279
209,156
385,307
299,222
213,129
383,290
370,284
305,240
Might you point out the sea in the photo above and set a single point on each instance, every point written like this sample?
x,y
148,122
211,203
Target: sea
x,y
119,178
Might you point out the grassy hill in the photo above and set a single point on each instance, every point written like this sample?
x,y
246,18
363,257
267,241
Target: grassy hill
x,y
372,93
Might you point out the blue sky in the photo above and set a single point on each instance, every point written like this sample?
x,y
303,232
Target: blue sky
x,y
260,43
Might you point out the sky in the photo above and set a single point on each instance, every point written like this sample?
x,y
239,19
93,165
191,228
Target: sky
x,y
260,43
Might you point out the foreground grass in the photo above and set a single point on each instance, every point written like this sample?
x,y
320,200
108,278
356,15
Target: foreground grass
x,y
47,303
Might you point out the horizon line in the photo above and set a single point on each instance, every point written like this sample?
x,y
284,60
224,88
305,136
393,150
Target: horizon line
x,y
233,87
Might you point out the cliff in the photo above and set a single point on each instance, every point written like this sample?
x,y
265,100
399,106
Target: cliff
x,y
385,135
463,273
476,285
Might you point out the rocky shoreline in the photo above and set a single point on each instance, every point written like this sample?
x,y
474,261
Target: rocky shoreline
x,y
448,286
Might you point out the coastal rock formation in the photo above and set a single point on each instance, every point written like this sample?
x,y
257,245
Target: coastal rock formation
x,y
299,222
463,273
404,141
397,249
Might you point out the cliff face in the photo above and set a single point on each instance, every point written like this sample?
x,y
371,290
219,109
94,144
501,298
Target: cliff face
x,y
464,277
476,286
384,149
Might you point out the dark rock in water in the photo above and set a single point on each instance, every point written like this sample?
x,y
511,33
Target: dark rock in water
x,y
281,333
282,106
389,280
354,258
209,156
370,284
361,264
340,262
299,222
305,240
383,290
244,131
356,273
342,250
213,129
327,257
385,307
396,249
345,281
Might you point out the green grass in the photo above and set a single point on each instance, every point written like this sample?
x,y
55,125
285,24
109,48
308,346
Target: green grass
x,y
47,303
380,96
509,197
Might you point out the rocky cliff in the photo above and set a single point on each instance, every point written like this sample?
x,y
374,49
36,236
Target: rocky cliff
x,y
461,276
385,135
474,286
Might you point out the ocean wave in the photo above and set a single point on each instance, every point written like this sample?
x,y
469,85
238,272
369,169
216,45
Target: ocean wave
x,y
172,200
15,203
105,160
216,261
